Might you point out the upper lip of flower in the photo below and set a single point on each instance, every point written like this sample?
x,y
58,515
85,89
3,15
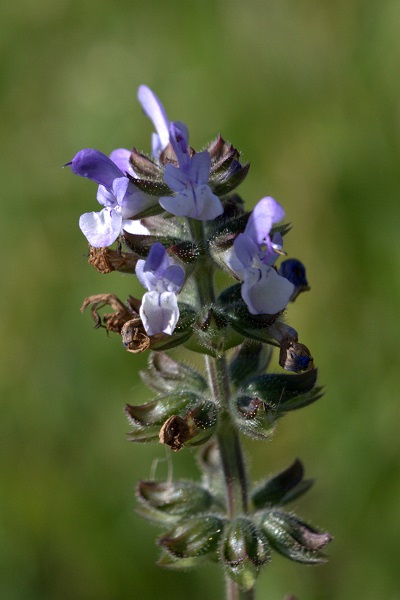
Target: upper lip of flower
x,y
156,113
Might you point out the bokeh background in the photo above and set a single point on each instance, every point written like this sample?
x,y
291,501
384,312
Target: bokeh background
x,y
309,91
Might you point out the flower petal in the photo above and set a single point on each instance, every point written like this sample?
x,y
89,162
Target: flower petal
x,y
199,170
135,226
179,137
199,203
147,280
105,197
174,277
157,261
96,166
101,228
265,292
156,113
159,312
120,157
208,205
175,178
266,212
180,205
132,200
245,249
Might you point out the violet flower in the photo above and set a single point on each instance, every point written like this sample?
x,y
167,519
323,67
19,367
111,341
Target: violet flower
x,y
120,198
252,257
156,113
194,197
159,309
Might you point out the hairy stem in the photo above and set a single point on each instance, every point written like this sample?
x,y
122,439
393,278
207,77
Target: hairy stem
x,y
228,439
231,457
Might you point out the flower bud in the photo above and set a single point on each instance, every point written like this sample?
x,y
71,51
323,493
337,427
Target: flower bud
x,y
156,411
225,181
195,537
281,488
295,272
164,374
250,359
294,356
212,335
254,417
152,187
144,167
165,501
255,327
244,549
283,391
243,540
226,172
293,538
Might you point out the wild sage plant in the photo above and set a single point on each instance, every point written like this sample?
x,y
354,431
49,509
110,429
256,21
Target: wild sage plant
x,y
213,286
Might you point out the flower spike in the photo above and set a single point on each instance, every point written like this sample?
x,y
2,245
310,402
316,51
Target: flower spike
x,y
179,225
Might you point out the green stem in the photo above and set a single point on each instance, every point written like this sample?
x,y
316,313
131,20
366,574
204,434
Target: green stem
x,y
231,454
228,439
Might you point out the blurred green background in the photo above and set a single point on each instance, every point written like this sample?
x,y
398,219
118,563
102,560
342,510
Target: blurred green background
x,y
308,90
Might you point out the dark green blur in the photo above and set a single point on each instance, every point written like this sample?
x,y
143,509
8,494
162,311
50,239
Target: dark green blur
x,y
309,91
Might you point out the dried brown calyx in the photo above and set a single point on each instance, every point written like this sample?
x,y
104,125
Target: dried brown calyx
x,y
105,260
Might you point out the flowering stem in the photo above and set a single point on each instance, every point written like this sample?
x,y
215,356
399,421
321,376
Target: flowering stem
x,y
228,439
231,457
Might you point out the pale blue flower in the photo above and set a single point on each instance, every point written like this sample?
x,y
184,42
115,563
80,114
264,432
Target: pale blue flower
x,y
252,257
159,309
156,113
194,197
119,196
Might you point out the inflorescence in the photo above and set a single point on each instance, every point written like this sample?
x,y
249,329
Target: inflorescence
x,y
177,222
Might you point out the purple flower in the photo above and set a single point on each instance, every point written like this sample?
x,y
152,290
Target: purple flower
x,y
252,257
295,272
120,198
156,113
159,309
194,197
